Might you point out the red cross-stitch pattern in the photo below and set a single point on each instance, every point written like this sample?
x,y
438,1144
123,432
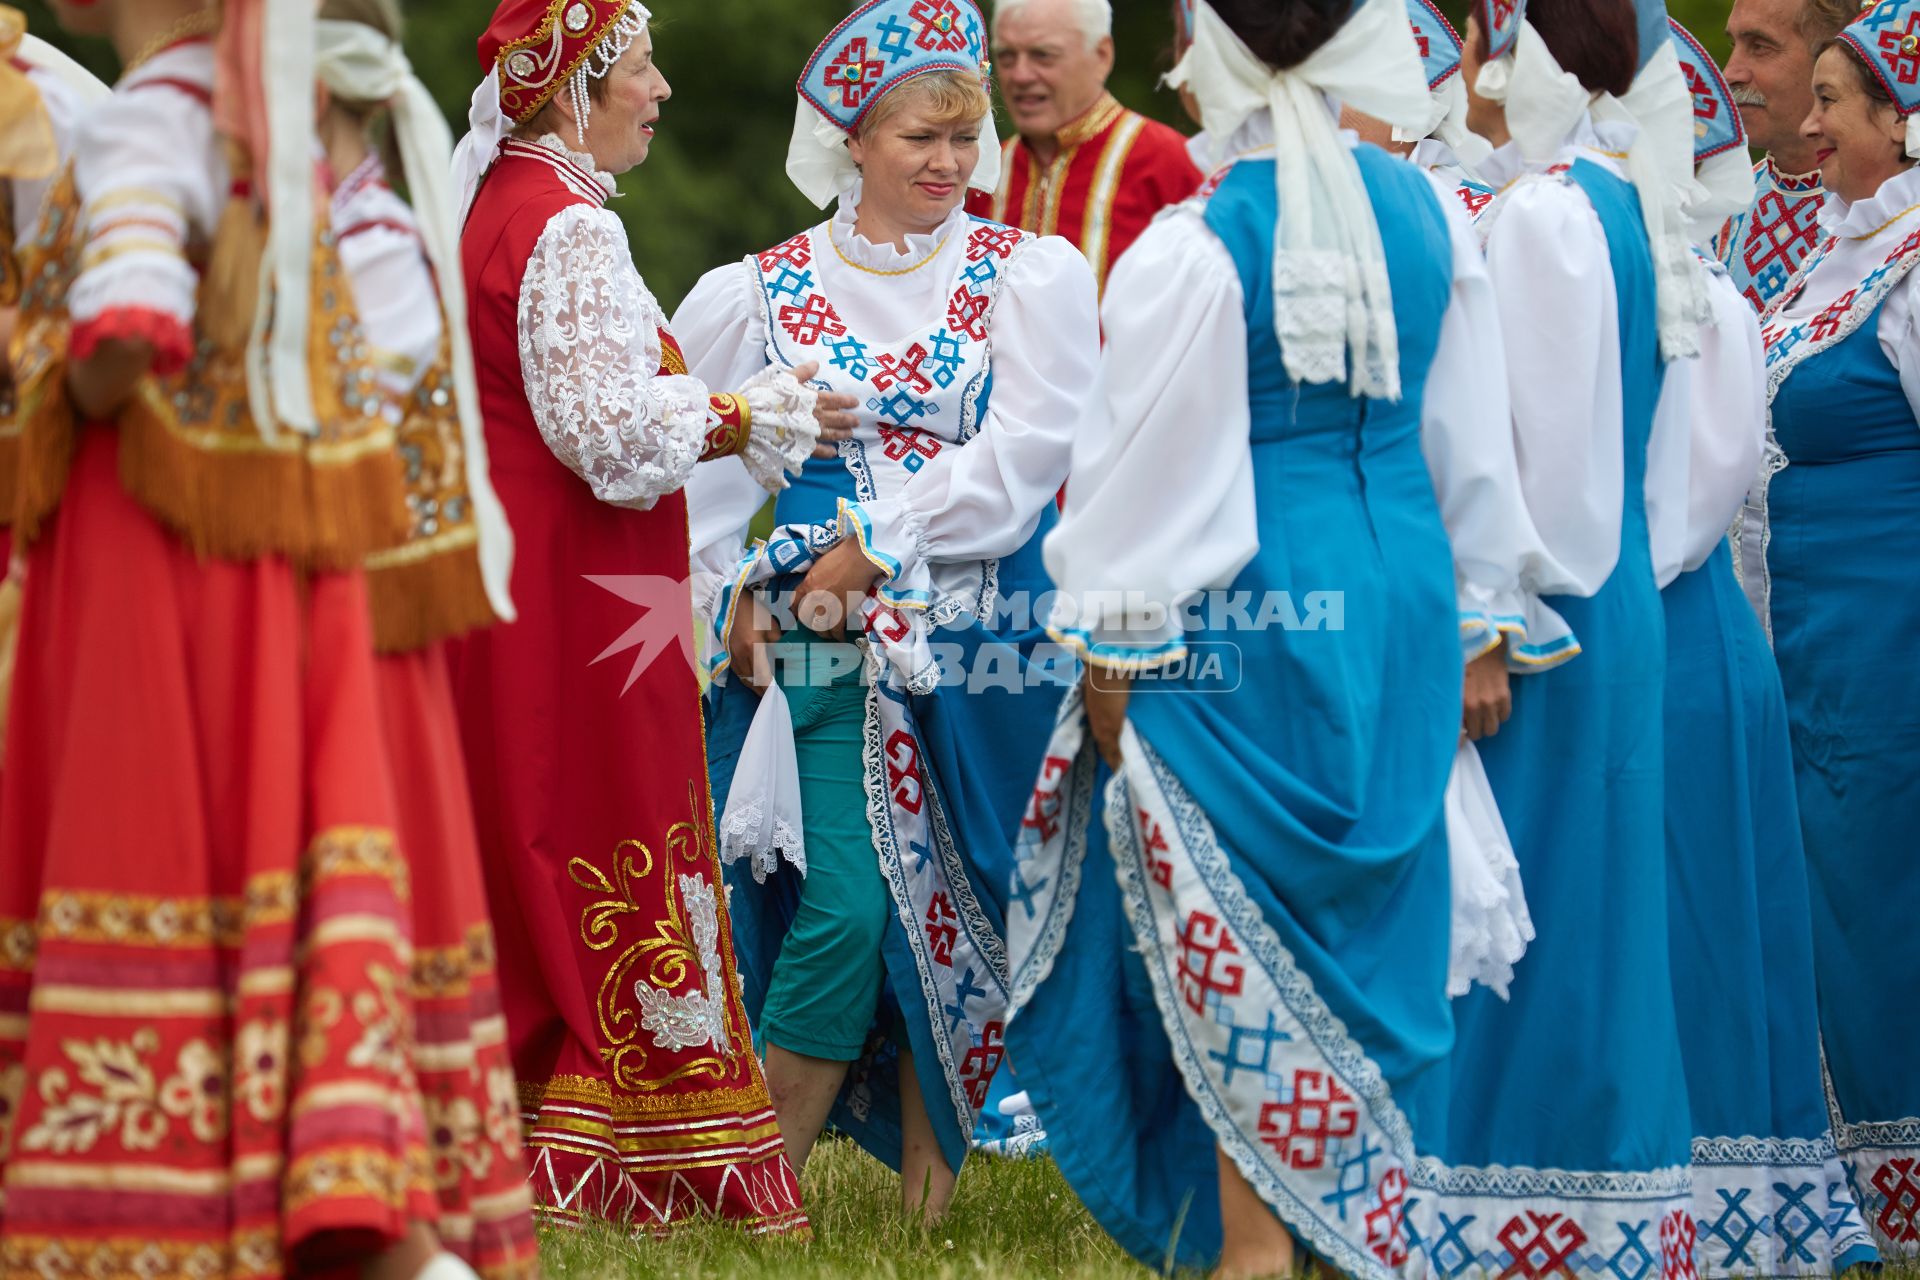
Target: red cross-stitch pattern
x,y
1780,231
1677,1239
885,621
967,312
870,72
904,370
1043,808
1706,104
1904,65
1154,841
1905,247
1827,323
933,37
1502,14
1474,200
1899,1217
942,928
1540,1244
1204,946
1320,1112
979,1064
998,241
903,771
797,252
812,320
902,442
1387,1219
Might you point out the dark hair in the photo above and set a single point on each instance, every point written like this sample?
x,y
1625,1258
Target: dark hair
x,y
1598,41
1283,35
1870,82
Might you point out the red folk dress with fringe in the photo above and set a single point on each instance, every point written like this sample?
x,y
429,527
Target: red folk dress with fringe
x,y
423,592
643,1098
221,977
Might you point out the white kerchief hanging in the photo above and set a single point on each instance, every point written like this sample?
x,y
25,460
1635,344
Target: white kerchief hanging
x,y
487,124
1333,308
278,380
1660,166
359,64
1543,101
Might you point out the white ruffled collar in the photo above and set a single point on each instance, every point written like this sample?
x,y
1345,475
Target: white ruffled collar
x,y
862,252
1878,212
579,160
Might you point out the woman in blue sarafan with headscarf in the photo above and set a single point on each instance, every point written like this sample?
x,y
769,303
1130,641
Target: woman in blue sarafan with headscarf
x,y
1769,1194
872,791
1299,515
1829,534
1567,1143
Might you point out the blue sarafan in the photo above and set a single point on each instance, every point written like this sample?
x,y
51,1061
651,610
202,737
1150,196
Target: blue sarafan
x,y
1244,941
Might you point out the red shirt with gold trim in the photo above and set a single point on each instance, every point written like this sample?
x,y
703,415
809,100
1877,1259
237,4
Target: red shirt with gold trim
x,y
1115,170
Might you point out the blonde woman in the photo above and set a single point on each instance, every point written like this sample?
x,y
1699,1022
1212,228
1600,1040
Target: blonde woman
x,y
915,712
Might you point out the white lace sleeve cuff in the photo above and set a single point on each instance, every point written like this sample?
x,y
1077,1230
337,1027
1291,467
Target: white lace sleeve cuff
x,y
590,357
783,429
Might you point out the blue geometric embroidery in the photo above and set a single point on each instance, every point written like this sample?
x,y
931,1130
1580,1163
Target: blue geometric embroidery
x,y
1262,1041
896,39
1734,1225
1450,1251
1641,1262
1023,893
1356,1177
1795,1223
901,408
850,356
790,283
963,991
945,359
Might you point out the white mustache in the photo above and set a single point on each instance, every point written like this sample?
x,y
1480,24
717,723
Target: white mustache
x,y
1745,95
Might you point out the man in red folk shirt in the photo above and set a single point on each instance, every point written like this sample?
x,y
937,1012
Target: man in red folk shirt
x,y
1084,166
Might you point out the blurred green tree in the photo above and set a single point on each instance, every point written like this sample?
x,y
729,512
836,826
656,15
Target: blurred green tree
x,y
715,188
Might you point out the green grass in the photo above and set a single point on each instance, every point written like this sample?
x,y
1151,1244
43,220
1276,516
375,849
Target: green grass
x,y
1011,1220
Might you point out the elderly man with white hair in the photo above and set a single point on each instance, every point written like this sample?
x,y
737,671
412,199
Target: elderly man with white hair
x,y
1083,166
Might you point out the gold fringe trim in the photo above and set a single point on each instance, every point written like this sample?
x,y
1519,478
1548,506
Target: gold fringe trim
x,y
240,504
418,601
44,454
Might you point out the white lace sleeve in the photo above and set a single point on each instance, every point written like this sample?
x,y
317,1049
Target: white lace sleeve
x,y
590,356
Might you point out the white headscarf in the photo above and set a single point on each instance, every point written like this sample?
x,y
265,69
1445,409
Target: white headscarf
x,y
358,63
1544,102
820,165
1660,165
1332,305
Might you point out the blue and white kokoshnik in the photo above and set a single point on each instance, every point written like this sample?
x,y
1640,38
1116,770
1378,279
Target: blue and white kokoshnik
x,y
1716,120
884,43
1437,41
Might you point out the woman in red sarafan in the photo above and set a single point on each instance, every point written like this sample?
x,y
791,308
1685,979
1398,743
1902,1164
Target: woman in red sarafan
x,y
213,1061
643,1099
